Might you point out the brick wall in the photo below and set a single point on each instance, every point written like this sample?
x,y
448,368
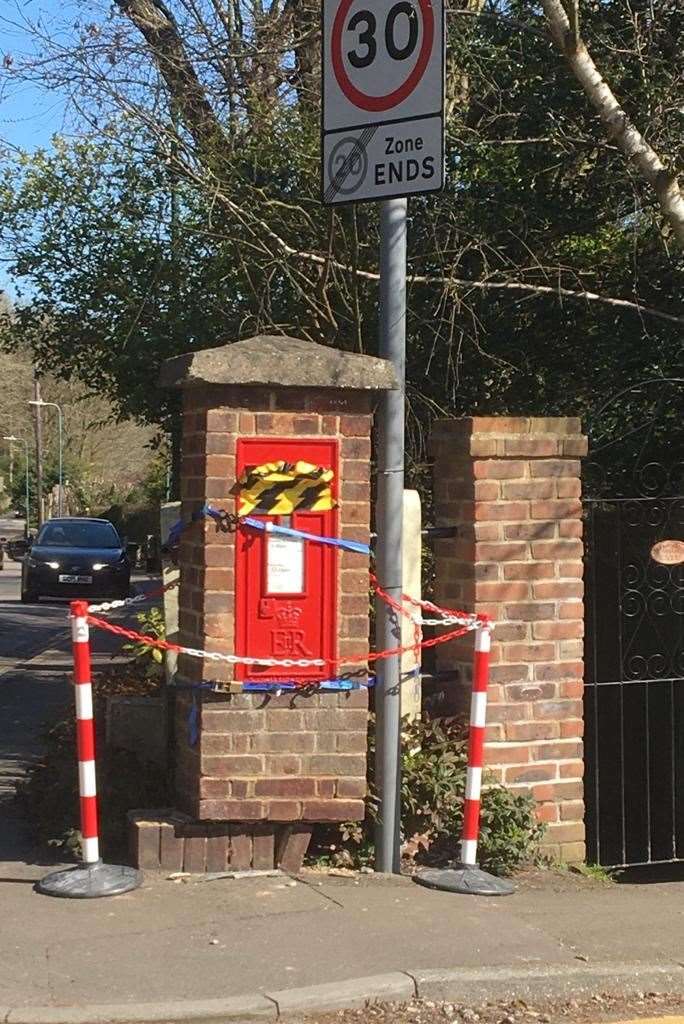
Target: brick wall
x,y
512,486
258,757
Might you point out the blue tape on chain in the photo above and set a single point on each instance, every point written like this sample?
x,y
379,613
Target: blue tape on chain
x,y
286,531
275,685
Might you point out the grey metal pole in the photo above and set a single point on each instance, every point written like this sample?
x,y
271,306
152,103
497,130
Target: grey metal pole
x,y
28,510
390,496
61,481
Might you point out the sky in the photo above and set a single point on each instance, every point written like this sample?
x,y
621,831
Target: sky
x,y
29,116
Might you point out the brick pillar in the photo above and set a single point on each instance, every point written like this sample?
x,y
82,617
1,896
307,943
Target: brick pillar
x,y
267,765
512,487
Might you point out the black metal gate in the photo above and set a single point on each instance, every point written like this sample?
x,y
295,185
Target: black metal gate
x,y
634,657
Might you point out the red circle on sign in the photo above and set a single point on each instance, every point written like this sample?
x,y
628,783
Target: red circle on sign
x,y
398,95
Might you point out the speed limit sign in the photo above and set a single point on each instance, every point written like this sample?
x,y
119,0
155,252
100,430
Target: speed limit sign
x,y
383,98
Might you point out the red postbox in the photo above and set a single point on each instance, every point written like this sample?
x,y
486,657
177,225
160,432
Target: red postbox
x,y
285,587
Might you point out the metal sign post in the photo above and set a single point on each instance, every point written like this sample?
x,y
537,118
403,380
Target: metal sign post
x,y
382,139
389,519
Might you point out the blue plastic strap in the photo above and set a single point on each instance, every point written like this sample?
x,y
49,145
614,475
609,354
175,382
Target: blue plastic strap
x,y
286,531
274,685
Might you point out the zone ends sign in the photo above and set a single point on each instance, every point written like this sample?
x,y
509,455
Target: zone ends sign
x,y
383,99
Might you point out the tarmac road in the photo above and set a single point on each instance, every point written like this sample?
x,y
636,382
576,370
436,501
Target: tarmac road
x,y
34,667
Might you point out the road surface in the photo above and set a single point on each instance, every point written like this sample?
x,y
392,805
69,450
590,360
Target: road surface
x,y
34,667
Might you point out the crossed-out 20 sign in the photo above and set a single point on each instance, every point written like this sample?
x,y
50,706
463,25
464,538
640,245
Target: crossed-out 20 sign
x,y
383,98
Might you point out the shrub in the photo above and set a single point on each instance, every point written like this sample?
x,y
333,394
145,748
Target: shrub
x,y
434,763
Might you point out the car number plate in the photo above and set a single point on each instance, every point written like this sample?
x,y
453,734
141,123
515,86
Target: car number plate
x,y
75,579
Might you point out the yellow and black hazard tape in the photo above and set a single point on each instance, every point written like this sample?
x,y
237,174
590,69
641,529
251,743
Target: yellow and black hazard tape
x,y
281,488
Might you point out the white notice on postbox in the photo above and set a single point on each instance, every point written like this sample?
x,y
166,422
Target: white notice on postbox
x,y
285,565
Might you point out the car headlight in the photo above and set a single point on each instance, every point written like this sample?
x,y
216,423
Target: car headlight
x,y
53,565
100,565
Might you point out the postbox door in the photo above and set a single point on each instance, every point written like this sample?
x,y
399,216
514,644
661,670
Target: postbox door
x,y
286,589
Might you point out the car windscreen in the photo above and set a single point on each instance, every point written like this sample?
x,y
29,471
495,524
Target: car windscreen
x,y
78,535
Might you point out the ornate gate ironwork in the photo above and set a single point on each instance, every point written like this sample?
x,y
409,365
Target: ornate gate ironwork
x,y
634,658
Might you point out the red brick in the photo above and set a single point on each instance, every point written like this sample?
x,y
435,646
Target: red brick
x,y
566,833
549,589
572,727
529,489
558,709
500,552
219,444
221,580
283,764
355,426
228,720
355,604
194,854
558,630
355,491
508,673
352,743
531,730
351,788
484,490
336,764
563,750
528,652
285,787
571,770
509,753
573,810
530,773
500,510
282,719
355,471
575,570
333,810
530,531
569,488
222,421
571,610
232,810
547,813
222,466
573,853
576,446
564,670
356,448
569,509
529,612
247,423
502,591
557,549
284,810
499,469
263,848
284,743
555,468
529,571
291,848
517,712
558,791
572,688
530,691
531,447
230,765
240,849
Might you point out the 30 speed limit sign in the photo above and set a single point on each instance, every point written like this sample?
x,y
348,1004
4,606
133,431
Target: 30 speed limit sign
x,y
383,98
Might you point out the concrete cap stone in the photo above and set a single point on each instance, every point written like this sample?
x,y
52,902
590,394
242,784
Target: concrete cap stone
x,y
279,361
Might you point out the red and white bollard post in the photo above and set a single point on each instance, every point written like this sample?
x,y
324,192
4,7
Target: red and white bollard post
x,y
466,876
91,878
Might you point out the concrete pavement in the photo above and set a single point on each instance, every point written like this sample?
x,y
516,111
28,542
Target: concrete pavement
x,y
186,942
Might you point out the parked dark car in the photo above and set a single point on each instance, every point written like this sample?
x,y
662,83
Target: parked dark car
x,y
76,557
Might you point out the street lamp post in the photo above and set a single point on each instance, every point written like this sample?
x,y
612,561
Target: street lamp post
x,y
54,405
22,440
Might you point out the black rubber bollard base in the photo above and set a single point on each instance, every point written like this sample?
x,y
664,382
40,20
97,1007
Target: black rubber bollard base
x,y
89,881
464,878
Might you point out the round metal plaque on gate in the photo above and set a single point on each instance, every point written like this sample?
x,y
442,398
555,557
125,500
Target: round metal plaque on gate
x,y
668,552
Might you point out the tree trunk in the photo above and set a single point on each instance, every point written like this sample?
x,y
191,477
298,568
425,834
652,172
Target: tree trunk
x,y
620,129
